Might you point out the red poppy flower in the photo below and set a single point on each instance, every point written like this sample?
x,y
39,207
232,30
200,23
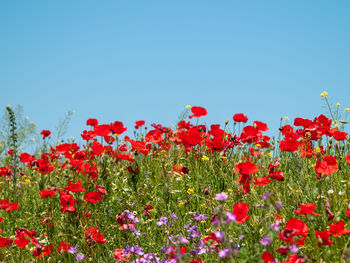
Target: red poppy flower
x,y
250,134
120,256
339,135
347,212
302,122
47,193
11,207
337,229
348,159
5,242
289,145
240,211
26,158
118,127
323,238
294,227
67,202
261,181
92,233
294,259
260,126
139,124
45,133
21,242
267,257
92,122
76,188
63,246
246,168
306,209
240,117
101,189
327,166
93,197
198,112
154,136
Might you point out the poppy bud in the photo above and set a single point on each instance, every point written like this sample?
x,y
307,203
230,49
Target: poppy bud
x,y
206,191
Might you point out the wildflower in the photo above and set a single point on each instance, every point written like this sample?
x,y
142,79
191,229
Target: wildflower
x,y
347,109
240,117
45,133
80,257
327,166
337,104
205,158
275,227
265,196
323,238
190,191
73,249
199,217
221,196
223,253
330,191
174,216
188,107
240,210
180,204
279,206
93,197
324,94
139,124
267,257
306,209
265,241
293,248
162,221
198,112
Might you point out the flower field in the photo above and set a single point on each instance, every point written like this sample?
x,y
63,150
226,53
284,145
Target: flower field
x,y
192,193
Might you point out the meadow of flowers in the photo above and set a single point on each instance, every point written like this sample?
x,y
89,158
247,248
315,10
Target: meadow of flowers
x,y
192,193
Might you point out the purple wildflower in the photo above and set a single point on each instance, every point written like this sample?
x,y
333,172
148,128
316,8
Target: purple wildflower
x,y
199,217
279,206
174,216
265,241
221,196
80,257
73,249
224,253
230,217
265,196
293,249
162,221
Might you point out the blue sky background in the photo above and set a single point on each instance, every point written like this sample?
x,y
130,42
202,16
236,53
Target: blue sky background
x,y
132,60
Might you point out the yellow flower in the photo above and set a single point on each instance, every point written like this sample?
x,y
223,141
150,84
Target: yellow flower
x,y
180,204
203,221
205,158
190,191
269,154
27,180
203,205
324,94
347,109
318,149
330,191
188,107
337,104
286,118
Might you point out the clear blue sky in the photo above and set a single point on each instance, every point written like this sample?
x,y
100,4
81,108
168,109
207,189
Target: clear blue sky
x,y
132,60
